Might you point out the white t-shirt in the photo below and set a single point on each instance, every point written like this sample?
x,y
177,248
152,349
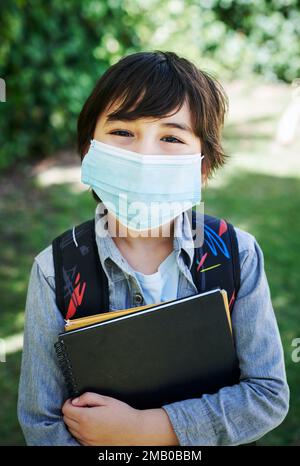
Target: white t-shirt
x,y
161,285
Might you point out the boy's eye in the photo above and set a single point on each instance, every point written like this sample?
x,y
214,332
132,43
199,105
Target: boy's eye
x,y
119,131
127,133
176,140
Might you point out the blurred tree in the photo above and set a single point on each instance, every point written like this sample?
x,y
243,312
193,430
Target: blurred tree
x,y
52,53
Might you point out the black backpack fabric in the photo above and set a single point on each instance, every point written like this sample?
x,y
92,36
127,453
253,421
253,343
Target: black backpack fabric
x,y
82,285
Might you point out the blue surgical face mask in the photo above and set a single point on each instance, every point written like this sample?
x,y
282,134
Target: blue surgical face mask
x,y
142,191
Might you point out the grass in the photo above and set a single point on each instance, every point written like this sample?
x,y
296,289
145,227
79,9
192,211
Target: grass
x,y
268,207
253,192
34,216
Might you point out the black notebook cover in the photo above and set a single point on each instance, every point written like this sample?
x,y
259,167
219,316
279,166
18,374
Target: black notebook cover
x,y
156,356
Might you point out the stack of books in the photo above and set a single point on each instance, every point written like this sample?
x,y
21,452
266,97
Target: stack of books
x,y
152,355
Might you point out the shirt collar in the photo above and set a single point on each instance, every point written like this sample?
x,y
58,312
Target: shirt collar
x,y
109,252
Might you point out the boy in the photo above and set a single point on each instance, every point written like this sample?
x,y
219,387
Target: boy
x,y
157,113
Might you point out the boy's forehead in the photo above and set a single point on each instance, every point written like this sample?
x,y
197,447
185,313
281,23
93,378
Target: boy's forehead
x,y
183,114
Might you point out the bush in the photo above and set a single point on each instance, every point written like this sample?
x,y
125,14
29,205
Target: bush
x,y
51,54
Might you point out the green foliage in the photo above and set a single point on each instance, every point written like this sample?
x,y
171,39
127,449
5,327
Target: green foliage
x,y
52,54
266,32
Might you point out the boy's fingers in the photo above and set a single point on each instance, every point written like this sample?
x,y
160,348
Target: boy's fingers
x,y
67,407
77,435
72,412
71,421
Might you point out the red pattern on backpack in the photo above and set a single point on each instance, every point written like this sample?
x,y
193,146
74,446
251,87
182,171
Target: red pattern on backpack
x,y
76,298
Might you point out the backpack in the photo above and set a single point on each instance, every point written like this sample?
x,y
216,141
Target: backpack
x,y
81,284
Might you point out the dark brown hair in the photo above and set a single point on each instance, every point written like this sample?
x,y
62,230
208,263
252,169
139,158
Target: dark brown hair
x,y
153,84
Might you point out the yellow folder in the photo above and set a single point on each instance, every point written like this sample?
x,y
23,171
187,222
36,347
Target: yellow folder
x,y
73,324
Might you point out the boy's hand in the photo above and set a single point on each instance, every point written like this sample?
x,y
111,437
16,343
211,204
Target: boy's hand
x,y
101,420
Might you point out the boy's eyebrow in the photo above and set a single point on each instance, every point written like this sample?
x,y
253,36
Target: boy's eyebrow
x,y
181,126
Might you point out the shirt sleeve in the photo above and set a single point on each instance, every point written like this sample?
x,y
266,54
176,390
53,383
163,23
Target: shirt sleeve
x,y
42,389
248,410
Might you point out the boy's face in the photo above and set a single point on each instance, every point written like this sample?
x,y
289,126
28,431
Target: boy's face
x,y
150,136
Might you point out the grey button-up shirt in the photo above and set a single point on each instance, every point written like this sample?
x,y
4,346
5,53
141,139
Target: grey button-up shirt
x,y
232,416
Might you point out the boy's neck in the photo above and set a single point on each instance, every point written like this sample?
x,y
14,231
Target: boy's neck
x,y
143,253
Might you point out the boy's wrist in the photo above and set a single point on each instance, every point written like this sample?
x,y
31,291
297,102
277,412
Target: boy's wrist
x,y
155,428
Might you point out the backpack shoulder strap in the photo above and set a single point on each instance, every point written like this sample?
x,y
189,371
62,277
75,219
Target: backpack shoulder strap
x,y
216,262
81,285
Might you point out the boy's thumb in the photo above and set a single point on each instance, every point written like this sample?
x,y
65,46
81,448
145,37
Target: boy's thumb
x,y
89,399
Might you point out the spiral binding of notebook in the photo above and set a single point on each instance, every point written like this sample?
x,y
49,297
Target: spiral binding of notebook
x,y
66,367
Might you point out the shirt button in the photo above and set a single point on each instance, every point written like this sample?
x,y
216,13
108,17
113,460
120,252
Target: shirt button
x,y
138,298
